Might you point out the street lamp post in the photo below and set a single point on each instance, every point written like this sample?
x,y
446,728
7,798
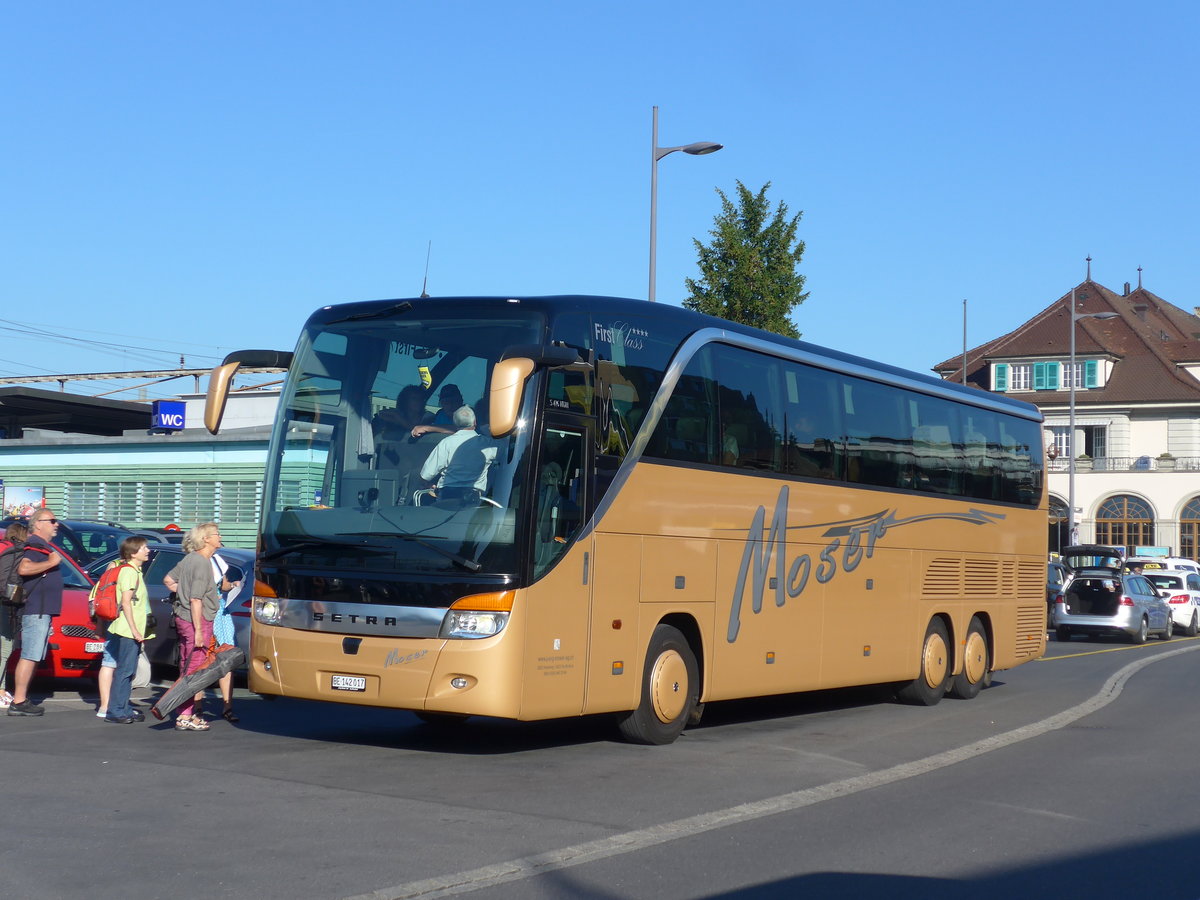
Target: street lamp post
x,y
699,148
1075,317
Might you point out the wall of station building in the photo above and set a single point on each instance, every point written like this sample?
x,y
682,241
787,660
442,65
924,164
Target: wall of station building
x,y
145,481
151,480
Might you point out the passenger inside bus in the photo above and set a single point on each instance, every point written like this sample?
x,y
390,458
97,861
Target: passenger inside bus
x,y
396,449
450,398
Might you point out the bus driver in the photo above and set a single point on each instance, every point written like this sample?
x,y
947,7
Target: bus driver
x,y
457,468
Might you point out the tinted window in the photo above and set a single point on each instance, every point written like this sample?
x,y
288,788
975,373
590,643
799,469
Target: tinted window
x,y
735,408
812,421
631,355
1167,582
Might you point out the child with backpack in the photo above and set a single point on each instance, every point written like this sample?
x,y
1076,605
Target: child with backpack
x,y
128,629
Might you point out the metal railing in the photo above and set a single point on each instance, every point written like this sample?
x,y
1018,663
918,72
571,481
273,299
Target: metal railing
x,y
1129,464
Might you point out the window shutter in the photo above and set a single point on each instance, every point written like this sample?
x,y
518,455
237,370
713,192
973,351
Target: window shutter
x,y
1052,370
1039,376
1091,373
1001,376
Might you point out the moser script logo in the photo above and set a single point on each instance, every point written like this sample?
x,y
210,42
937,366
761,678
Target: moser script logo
x,y
855,538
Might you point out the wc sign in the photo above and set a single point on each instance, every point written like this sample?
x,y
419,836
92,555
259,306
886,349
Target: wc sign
x,y
168,415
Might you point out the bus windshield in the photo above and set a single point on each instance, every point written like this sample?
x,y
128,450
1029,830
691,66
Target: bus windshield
x,y
382,458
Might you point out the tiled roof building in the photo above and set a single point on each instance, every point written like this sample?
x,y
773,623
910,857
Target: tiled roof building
x,y
1137,411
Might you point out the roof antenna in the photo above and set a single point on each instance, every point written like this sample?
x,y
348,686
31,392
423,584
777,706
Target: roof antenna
x,y
1139,278
1089,267
425,283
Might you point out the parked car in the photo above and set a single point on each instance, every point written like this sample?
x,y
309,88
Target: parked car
x,y
1101,599
1159,563
163,535
1181,590
163,648
1057,576
74,649
81,540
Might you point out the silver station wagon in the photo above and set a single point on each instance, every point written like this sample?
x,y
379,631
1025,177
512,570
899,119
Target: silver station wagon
x,y
1102,600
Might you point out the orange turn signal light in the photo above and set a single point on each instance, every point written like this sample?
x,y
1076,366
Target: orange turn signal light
x,y
500,601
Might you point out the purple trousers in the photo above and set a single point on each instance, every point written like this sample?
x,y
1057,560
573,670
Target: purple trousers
x,y
192,657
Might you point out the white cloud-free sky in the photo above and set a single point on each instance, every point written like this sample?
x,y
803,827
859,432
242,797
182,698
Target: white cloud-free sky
x,y
187,179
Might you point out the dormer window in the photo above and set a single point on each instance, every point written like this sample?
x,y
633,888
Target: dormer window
x,y
1046,376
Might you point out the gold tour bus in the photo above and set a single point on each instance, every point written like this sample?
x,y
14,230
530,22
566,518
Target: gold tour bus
x,y
638,509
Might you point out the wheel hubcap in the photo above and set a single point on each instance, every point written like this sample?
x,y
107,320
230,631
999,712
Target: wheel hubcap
x,y
975,664
669,686
933,662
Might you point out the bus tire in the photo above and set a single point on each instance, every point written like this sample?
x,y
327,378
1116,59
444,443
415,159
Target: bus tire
x,y
670,690
930,684
970,681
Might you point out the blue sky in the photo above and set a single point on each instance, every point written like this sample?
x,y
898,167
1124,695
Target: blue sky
x,y
195,178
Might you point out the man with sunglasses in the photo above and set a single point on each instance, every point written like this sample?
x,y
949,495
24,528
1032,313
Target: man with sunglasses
x,y
42,581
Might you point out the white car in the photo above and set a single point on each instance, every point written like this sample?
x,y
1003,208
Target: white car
x,y
1181,589
1160,563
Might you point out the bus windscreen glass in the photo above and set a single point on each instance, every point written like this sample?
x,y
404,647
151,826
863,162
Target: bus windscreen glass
x,y
382,454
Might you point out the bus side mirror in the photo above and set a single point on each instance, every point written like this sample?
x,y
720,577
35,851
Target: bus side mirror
x,y
218,392
508,384
222,376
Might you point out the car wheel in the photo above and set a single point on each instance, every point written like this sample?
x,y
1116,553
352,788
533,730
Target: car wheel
x,y
1063,633
930,684
1193,627
968,683
1139,636
1169,630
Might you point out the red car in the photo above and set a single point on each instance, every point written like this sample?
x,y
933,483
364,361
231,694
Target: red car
x,y
75,648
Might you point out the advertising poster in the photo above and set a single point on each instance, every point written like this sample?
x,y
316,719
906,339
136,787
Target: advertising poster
x,y
22,501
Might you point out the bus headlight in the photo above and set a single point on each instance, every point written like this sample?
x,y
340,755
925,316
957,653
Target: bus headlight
x,y
478,616
267,610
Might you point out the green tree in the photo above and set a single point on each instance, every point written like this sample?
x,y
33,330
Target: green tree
x,y
748,273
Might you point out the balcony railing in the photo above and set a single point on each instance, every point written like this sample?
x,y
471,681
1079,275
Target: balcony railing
x,y
1129,464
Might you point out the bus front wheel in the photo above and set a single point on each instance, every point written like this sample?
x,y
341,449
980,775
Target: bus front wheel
x,y
670,690
930,684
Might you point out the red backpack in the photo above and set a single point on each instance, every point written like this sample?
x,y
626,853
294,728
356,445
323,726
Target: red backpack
x,y
102,602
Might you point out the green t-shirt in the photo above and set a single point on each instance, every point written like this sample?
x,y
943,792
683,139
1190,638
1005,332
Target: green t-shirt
x,y
130,578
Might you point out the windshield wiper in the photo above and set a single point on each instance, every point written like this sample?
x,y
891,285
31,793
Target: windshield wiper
x,y
308,543
402,307
469,564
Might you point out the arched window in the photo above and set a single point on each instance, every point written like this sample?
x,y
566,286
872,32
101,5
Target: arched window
x,y
1189,529
1124,521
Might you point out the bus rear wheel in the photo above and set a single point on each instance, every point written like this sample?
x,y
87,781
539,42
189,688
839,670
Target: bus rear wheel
x,y
670,690
970,681
930,684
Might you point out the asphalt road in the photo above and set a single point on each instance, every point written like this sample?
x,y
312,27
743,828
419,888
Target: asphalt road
x,y
1072,776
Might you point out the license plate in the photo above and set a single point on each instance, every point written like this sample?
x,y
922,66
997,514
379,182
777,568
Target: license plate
x,y
93,647
349,683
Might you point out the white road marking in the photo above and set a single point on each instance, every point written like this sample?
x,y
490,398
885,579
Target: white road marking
x,y
640,839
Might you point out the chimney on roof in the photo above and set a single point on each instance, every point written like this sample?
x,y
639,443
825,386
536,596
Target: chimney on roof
x,y
1126,293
